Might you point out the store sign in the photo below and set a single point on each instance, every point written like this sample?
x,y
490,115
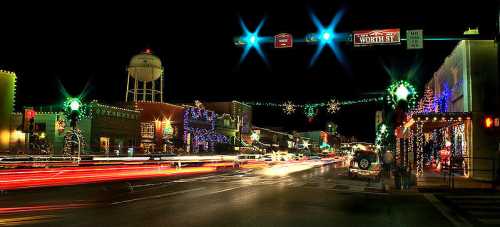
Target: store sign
x,y
414,39
376,37
283,40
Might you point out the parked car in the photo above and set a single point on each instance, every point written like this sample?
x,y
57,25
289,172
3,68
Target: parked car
x,y
365,163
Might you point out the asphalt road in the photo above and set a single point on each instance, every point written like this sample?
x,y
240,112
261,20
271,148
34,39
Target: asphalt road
x,y
321,196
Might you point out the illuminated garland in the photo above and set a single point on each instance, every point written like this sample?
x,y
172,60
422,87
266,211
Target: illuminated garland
x,y
399,91
288,108
420,148
84,110
202,134
381,137
310,109
332,106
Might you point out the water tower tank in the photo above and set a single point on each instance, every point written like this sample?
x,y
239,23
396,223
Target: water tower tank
x,y
145,67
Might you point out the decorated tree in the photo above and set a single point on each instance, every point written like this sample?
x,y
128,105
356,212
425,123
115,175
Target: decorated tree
x,y
71,142
428,100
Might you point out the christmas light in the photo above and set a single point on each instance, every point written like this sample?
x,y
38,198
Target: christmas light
x,y
310,109
201,135
74,104
305,144
288,108
401,91
327,36
251,40
420,149
333,106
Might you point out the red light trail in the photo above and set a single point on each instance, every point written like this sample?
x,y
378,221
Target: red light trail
x,y
33,178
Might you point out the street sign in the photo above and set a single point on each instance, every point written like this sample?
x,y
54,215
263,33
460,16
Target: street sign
x,y
376,37
283,40
414,39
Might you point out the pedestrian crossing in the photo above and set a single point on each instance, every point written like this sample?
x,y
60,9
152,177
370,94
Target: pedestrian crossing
x,y
480,209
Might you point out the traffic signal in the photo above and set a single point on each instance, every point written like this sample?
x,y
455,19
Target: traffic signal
x,y
29,120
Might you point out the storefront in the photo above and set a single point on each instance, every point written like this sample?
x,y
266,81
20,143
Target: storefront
x,y
435,141
446,130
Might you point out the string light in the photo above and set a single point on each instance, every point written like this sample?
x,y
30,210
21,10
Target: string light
x,y
192,114
320,104
333,106
311,109
288,108
401,91
420,149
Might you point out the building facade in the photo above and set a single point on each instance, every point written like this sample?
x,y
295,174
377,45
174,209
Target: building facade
x,y
240,112
7,94
108,131
161,127
447,127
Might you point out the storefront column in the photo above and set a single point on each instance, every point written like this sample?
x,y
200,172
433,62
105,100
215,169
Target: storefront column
x,y
419,136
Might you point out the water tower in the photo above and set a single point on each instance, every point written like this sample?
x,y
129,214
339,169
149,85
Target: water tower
x,y
146,71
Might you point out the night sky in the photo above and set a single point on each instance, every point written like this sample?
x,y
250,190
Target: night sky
x,y
78,46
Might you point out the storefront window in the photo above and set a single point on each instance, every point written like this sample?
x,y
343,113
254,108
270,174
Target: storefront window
x,y
147,130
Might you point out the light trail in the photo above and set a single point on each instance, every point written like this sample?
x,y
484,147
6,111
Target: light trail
x,y
34,178
33,208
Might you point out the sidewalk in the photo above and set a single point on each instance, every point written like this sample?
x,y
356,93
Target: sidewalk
x,y
434,182
431,181
390,186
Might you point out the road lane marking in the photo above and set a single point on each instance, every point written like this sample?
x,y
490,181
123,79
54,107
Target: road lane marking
x,y
454,218
227,189
158,196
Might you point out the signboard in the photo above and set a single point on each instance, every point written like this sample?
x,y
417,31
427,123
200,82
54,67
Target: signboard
x,y
375,37
414,39
283,40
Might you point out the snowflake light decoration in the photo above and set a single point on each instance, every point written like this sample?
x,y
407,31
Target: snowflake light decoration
x,y
332,106
288,108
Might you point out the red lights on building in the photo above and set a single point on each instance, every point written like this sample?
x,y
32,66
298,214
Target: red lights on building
x,y
488,122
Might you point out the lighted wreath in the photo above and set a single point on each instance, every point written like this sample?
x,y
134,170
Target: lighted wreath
x,y
401,91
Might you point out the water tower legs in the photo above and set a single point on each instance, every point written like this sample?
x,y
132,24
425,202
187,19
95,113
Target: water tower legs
x,y
136,85
153,91
127,91
144,90
161,88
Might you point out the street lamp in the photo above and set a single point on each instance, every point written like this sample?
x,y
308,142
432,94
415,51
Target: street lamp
x,y
402,93
75,104
74,112
326,36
